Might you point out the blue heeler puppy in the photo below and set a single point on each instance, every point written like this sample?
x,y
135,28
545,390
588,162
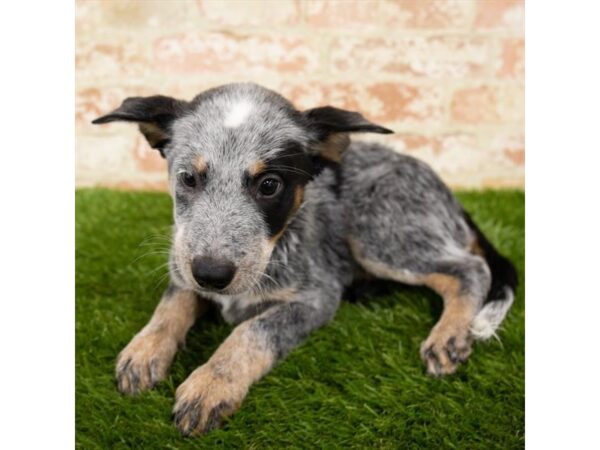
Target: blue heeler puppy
x,y
276,213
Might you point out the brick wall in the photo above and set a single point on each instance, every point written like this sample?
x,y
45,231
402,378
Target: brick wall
x,y
446,75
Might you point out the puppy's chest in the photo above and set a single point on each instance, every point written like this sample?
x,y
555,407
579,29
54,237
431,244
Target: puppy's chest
x,y
237,308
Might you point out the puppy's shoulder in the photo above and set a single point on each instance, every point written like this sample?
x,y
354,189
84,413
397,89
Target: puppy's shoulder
x,y
381,171
368,154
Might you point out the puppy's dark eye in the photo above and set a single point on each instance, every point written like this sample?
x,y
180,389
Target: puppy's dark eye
x,y
269,186
188,179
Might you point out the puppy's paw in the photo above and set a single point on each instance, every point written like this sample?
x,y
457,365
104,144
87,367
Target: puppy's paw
x,y
144,362
204,400
444,349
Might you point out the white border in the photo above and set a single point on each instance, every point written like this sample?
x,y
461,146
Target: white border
x,y
563,224
37,237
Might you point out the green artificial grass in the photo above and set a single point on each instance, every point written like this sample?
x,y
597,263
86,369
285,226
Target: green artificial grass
x,y
356,383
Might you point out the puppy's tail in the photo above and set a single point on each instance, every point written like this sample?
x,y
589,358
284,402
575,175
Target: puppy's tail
x,y
502,290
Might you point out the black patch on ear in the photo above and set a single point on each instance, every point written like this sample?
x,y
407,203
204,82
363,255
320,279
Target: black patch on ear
x,y
328,120
153,114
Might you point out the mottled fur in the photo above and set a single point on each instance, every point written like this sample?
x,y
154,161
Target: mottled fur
x,y
343,211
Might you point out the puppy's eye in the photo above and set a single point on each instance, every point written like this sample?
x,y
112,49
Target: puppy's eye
x,y
188,179
269,186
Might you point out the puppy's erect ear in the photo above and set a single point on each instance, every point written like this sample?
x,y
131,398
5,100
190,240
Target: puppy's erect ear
x,y
332,126
153,114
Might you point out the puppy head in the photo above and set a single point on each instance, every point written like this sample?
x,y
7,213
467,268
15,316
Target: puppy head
x,y
239,158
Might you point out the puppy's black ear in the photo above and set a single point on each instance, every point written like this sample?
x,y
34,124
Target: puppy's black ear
x,y
331,126
153,114
328,120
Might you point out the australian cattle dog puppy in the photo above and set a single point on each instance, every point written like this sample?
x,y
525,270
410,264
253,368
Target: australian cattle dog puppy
x,y
276,212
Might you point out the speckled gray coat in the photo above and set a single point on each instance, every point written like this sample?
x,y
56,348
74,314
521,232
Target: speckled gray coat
x,y
275,214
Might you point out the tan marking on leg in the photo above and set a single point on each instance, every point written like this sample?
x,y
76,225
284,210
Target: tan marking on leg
x,y
380,269
257,168
445,285
216,389
273,240
200,164
449,341
147,358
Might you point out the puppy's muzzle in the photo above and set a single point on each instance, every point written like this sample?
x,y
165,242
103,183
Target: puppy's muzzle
x,y
212,273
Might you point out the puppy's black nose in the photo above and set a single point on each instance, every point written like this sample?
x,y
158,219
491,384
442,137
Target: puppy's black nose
x,y
211,272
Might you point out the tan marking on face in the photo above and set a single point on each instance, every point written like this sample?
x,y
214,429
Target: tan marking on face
x,y
298,199
333,147
273,240
147,358
224,380
200,164
257,168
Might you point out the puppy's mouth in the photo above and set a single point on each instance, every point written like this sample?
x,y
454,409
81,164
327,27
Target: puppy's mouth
x,y
217,276
236,287
245,279
211,290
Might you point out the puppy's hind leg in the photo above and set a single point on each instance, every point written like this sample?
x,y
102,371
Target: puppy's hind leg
x,y
461,279
463,284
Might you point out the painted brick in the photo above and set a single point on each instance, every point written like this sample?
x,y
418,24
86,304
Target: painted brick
x,y
452,155
100,158
446,75
231,52
468,160
146,158
161,185
501,14
511,145
92,102
117,58
250,12
106,160
400,103
488,104
422,56
512,59
401,13
133,14
503,164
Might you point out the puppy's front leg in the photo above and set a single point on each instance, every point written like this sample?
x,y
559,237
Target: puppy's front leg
x,y
147,358
216,389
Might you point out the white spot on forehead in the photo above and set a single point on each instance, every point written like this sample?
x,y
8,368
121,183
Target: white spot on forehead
x,y
237,114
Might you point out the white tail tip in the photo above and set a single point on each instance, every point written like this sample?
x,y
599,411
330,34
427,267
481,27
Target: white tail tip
x,y
490,317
